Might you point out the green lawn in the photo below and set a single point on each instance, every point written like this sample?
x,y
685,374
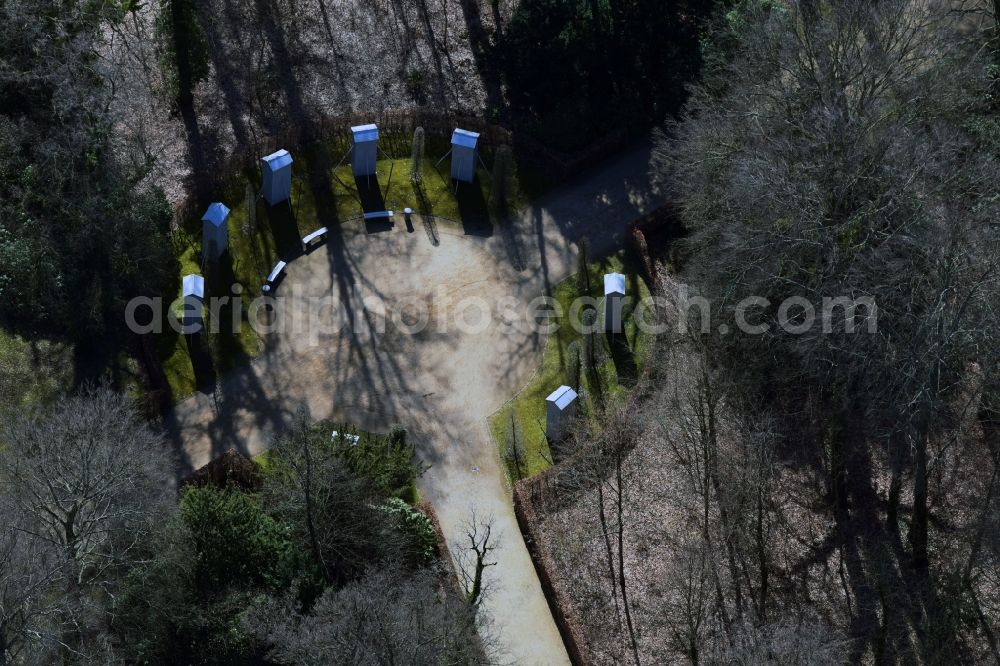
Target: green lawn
x,y
257,241
436,194
613,376
250,258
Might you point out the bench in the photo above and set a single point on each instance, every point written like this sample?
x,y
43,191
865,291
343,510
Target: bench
x,y
278,269
314,237
353,439
378,215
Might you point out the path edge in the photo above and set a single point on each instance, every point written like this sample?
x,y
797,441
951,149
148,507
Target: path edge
x,y
560,605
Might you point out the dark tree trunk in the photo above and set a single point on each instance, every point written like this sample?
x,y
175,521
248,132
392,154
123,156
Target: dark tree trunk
x,y
310,518
895,487
621,557
918,526
610,550
179,14
762,559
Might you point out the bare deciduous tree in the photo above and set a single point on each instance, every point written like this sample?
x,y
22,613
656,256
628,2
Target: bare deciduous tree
x,y
85,483
335,513
389,616
475,556
28,569
802,640
689,599
598,464
839,156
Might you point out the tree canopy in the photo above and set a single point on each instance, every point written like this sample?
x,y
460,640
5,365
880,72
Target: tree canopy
x,y
81,232
575,70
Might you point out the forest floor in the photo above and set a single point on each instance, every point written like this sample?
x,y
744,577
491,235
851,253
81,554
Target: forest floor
x,y
441,383
285,63
849,588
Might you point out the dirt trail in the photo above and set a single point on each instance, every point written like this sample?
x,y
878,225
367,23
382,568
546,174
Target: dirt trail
x,y
441,383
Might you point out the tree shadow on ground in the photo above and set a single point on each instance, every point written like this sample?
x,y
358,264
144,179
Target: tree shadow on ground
x,y
488,59
369,193
439,92
202,146
284,230
379,225
595,385
473,209
225,327
231,80
623,357
512,244
201,362
372,201
426,210
430,227
894,611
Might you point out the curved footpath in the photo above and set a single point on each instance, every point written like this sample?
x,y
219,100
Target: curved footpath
x,y
442,382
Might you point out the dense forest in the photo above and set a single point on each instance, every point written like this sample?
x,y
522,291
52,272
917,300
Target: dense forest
x,y
808,471
257,563
815,485
112,115
112,110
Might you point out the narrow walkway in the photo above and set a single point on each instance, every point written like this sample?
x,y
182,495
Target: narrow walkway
x,y
441,382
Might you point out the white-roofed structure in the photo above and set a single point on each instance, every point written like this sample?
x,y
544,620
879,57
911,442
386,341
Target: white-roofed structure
x,y
193,285
560,410
193,293
277,169
463,155
614,301
364,151
214,231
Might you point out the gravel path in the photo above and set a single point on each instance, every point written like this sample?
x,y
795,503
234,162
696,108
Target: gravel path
x,y
441,383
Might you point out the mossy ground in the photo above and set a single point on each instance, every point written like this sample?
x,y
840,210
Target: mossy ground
x,y
32,373
435,195
620,362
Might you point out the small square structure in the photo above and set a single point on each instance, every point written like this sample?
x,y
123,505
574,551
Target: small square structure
x,y
193,292
614,301
364,154
464,155
214,231
277,169
560,410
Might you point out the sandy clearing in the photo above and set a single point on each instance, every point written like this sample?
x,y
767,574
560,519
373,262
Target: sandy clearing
x,y
441,383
